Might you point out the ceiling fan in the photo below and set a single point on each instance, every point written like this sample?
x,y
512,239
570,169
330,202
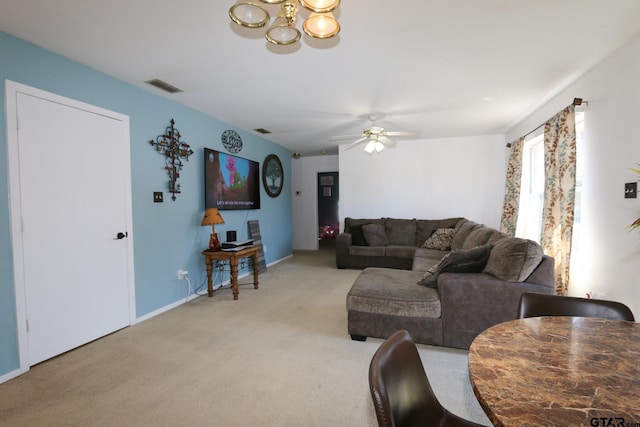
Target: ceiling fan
x,y
378,138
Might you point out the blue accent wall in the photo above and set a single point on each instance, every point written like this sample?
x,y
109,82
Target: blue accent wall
x,y
167,236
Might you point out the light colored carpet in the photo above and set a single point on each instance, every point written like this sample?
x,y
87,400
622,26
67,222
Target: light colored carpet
x,y
279,356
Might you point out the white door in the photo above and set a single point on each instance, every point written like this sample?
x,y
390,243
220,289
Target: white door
x,y
73,180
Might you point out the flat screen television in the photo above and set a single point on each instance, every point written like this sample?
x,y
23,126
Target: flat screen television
x,y
230,182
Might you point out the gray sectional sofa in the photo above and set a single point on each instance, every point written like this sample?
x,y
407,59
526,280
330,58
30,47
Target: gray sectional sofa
x,y
444,281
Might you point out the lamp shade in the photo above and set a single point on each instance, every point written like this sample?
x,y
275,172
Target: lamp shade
x,y
249,15
320,6
211,217
321,26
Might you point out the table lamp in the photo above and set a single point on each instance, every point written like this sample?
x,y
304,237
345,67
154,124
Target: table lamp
x,y
212,216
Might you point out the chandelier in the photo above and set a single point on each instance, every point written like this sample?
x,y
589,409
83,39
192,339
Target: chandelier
x,y
321,24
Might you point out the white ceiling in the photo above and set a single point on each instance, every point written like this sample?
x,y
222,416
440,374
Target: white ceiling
x,y
442,67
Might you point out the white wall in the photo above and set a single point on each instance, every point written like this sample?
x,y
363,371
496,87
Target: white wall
x,y
304,198
610,264
430,179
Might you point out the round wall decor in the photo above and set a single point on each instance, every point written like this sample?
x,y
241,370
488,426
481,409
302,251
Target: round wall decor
x,y
272,175
231,141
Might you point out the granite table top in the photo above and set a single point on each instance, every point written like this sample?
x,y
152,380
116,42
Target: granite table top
x,y
561,371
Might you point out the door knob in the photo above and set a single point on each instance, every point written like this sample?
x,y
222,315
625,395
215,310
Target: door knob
x,y
121,236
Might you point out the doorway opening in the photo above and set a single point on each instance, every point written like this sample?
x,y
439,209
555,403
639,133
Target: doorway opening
x,y
328,199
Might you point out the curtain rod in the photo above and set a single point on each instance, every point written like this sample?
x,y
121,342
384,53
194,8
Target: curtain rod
x,y
576,103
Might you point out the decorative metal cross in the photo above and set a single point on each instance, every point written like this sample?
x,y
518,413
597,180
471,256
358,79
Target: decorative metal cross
x,y
175,150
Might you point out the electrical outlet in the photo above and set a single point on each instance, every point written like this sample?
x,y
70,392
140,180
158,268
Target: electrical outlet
x,y
157,196
182,274
264,248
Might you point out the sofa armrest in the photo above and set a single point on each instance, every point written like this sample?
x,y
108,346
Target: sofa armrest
x,y
343,243
473,302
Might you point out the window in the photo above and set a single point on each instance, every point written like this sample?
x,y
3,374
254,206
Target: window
x,y
532,188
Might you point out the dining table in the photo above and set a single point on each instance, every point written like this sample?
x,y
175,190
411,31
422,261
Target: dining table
x,y
558,371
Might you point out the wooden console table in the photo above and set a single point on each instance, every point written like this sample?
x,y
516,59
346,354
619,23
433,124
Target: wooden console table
x,y
232,257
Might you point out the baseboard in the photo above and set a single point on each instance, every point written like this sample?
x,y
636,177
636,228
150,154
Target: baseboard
x,y
166,308
10,375
194,296
280,260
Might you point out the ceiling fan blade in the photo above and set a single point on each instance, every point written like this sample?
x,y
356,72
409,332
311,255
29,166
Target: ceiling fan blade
x,y
411,133
343,137
387,141
356,142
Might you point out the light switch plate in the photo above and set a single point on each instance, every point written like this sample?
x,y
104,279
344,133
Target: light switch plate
x,y
631,190
157,197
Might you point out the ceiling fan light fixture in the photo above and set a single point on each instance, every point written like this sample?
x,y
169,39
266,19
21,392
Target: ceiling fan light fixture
x,y
249,14
370,147
320,6
376,138
374,146
321,25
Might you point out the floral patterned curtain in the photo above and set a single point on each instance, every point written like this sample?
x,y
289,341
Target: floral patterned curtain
x,y
559,195
512,189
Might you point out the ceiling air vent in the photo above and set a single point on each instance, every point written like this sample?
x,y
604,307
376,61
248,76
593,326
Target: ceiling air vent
x,y
164,86
262,131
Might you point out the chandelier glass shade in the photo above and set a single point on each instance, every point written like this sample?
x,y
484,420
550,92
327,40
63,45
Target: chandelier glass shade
x,y
320,6
320,24
249,15
282,32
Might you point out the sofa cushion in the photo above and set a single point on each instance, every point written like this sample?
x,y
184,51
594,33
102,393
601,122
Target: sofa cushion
x,y
423,264
375,235
350,222
400,231
495,237
367,250
513,259
434,254
426,227
478,237
399,251
471,260
440,239
424,259
357,235
393,292
462,233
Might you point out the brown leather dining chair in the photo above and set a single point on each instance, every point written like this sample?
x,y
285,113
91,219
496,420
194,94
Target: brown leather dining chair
x,y
536,305
402,395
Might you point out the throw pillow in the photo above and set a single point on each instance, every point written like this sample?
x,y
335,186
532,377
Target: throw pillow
x,y
357,235
375,235
440,239
471,260
400,231
513,259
